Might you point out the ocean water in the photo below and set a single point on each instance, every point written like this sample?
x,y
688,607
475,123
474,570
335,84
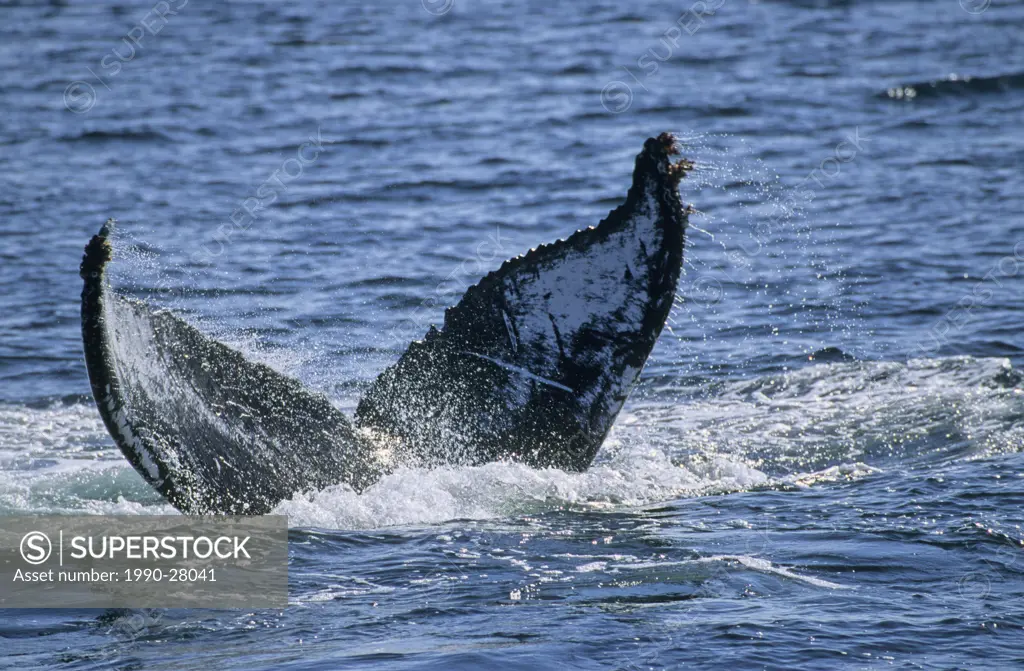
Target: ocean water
x,y
822,466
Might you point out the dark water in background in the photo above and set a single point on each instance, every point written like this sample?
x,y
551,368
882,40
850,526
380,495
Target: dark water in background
x,y
822,467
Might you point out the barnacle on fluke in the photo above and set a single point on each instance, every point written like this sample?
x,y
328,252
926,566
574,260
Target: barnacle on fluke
x,y
533,365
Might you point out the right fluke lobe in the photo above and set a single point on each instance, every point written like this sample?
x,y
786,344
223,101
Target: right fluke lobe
x,y
536,360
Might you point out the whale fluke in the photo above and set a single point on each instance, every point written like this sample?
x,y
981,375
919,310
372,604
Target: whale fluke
x,y
536,360
533,364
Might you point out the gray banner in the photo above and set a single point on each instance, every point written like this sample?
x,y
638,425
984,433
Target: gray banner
x,y
90,561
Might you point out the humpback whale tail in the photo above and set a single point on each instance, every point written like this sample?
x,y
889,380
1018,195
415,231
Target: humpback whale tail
x,y
533,364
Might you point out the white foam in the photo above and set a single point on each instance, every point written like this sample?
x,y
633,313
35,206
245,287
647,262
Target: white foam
x,y
59,459
820,424
853,416
418,496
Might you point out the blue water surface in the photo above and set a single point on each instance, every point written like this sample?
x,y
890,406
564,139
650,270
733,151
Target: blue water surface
x,y
822,465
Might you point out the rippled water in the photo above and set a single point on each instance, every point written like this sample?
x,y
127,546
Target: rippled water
x,y
822,466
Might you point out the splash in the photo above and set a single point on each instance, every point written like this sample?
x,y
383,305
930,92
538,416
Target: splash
x,y
823,424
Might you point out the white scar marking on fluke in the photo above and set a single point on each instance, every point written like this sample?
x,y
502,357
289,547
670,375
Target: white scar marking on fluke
x,y
511,334
521,371
124,428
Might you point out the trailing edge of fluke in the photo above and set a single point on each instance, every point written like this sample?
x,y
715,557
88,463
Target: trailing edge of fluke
x,y
532,365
